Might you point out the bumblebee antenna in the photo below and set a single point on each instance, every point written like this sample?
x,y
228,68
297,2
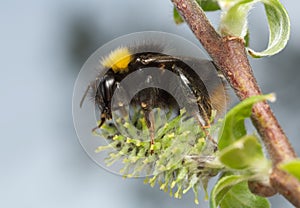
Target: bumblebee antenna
x,y
84,95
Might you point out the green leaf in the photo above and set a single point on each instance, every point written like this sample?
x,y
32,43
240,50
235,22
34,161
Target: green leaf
x,y
177,18
292,167
234,23
247,39
223,186
233,127
208,5
279,28
239,196
244,154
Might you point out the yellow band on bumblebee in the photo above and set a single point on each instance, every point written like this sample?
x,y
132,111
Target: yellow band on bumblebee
x,y
118,60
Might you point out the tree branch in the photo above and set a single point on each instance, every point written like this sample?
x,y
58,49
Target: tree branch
x,y
230,56
286,185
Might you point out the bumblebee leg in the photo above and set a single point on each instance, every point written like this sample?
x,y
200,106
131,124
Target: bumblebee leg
x,y
204,124
99,125
149,117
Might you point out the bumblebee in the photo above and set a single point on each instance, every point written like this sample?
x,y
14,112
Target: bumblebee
x,y
193,74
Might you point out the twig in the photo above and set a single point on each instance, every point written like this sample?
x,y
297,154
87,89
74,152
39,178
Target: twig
x,y
286,185
230,56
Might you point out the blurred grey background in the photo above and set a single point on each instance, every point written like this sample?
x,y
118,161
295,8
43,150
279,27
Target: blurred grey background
x,y
43,45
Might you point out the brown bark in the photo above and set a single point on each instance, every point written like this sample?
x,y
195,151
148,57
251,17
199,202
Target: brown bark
x,y
230,56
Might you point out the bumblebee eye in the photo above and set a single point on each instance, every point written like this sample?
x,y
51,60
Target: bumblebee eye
x,y
108,86
109,82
